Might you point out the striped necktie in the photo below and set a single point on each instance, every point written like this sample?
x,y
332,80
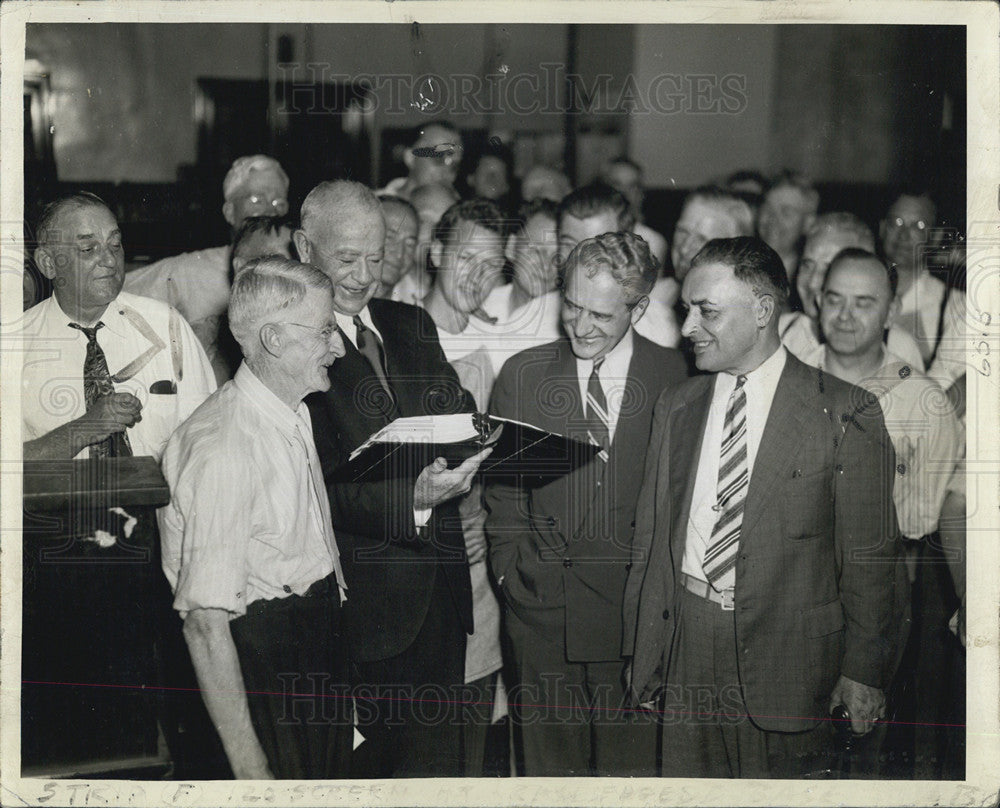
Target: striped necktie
x,y
596,413
720,556
97,384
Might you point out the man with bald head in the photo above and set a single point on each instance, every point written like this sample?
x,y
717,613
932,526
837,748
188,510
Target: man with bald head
x,y
410,609
106,373
826,237
197,283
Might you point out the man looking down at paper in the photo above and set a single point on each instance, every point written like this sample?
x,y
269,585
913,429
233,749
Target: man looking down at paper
x,y
248,546
410,608
560,551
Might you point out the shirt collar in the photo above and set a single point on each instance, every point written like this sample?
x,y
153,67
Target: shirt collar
x,y
113,319
764,376
346,323
267,403
616,361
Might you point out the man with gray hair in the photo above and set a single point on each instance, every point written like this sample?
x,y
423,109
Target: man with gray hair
x,y
197,283
411,605
248,545
560,552
106,373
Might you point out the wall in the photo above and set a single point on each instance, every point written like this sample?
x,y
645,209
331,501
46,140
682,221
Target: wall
x,y
123,95
716,117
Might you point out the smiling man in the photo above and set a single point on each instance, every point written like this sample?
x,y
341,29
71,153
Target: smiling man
x,y
410,609
560,552
765,587
106,373
248,547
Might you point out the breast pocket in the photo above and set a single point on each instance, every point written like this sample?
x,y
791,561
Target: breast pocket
x,y
807,504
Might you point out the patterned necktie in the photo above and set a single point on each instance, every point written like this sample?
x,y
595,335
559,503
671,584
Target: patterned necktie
x,y
370,347
97,384
596,413
720,556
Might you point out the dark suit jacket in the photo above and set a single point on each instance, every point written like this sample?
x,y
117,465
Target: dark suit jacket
x,y
819,586
389,569
562,549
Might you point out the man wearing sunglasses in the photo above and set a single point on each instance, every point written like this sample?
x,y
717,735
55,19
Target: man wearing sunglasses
x,y
197,283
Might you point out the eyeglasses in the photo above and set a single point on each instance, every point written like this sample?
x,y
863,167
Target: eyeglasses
x,y
899,224
280,204
326,332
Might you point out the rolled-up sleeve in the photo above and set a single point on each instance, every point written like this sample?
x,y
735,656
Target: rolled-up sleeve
x,y
206,529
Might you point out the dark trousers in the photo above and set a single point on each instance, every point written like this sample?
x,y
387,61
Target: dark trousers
x,y
295,672
409,705
570,714
706,730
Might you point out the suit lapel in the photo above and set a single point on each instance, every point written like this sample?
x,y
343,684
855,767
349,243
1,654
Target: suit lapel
x,y
787,426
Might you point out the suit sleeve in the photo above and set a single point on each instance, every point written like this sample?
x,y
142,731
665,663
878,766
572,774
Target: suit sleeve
x,y
506,501
383,510
645,520
868,550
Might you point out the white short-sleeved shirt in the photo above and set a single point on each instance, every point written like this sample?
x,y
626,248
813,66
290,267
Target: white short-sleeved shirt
x,y
145,343
249,517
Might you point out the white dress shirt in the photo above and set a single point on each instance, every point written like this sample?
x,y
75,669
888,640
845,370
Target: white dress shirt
x,y
760,386
613,374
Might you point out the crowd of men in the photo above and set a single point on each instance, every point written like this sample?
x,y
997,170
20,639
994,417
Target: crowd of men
x,y
778,400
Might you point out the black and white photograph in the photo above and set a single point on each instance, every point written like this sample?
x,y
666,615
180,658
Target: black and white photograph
x,y
452,403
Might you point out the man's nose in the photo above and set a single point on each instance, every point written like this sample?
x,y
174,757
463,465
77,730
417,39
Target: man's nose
x,y
107,257
690,325
337,344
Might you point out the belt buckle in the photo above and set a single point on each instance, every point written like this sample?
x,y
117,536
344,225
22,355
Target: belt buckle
x,y
728,599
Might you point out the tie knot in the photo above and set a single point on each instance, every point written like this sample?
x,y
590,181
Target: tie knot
x,y
597,366
740,381
358,323
90,333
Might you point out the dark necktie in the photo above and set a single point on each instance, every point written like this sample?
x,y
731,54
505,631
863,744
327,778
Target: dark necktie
x,y
731,493
596,413
370,347
97,384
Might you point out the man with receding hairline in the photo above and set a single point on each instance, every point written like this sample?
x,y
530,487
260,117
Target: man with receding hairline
x,y
765,587
106,373
410,608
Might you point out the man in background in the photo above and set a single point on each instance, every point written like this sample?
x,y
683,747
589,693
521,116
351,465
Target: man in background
x,y
788,210
197,283
401,230
625,176
433,158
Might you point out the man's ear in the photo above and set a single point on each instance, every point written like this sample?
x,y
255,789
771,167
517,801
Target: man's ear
x,y
892,314
270,339
229,213
766,309
639,309
436,252
408,158
45,262
302,246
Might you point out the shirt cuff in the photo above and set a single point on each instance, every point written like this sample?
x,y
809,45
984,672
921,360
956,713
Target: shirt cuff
x,y
421,516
